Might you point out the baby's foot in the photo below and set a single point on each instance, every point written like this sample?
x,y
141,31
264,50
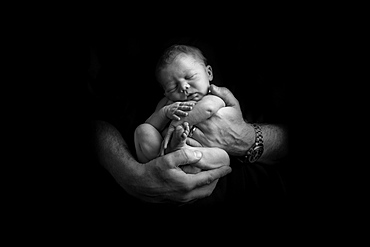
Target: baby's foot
x,y
178,139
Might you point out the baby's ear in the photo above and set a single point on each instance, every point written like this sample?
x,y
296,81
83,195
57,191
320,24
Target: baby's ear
x,y
209,72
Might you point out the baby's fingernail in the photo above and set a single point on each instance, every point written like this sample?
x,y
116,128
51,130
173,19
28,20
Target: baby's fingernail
x,y
198,154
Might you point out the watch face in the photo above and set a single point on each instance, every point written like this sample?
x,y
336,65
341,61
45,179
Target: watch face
x,y
256,154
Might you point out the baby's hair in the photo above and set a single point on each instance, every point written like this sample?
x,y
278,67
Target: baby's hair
x,y
173,51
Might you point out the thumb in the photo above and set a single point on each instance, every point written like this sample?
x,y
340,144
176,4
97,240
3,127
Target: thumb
x,y
184,156
225,94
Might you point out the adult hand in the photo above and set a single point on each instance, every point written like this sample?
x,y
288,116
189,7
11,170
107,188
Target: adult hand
x,y
159,180
226,129
163,180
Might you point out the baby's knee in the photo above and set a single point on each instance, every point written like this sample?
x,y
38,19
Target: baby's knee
x,y
147,139
143,131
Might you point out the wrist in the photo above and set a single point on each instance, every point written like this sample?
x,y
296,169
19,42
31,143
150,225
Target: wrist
x,y
242,141
256,148
164,111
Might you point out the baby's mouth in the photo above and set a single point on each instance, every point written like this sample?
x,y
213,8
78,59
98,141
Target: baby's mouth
x,y
192,96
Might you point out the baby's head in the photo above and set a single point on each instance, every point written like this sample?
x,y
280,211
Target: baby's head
x,y
183,73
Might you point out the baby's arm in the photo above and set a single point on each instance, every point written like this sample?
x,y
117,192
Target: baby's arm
x,y
203,110
167,110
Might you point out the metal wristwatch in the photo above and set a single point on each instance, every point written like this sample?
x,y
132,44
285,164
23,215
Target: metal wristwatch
x,y
256,150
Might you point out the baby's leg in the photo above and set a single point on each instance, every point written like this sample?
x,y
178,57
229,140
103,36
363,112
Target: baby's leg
x,y
147,142
178,139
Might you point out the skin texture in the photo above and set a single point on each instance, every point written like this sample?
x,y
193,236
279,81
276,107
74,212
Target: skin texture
x,y
228,130
161,179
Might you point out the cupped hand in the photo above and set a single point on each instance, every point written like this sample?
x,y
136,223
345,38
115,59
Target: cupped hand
x,y
226,129
162,179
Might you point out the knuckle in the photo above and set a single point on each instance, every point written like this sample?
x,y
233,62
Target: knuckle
x,y
166,159
209,180
184,188
187,187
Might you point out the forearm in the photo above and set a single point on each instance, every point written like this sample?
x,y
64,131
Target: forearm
x,y
114,156
275,141
202,110
158,120
197,115
236,141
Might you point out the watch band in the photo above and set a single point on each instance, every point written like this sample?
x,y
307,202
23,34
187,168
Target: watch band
x,y
256,150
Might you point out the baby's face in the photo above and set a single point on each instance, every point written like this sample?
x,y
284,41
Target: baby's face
x,y
185,79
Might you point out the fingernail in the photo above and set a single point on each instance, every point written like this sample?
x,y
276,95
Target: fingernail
x,y
198,154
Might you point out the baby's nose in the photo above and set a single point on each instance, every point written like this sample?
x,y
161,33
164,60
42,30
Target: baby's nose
x,y
185,86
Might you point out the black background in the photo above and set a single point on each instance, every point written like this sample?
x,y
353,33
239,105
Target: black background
x,y
279,68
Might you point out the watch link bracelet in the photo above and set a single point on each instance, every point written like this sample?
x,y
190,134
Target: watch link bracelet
x,y
256,150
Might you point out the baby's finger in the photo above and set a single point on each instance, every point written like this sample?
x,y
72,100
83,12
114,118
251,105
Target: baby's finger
x,y
175,117
181,113
186,128
187,104
185,108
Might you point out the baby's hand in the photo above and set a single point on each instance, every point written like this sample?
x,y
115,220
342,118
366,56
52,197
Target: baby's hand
x,y
178,109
